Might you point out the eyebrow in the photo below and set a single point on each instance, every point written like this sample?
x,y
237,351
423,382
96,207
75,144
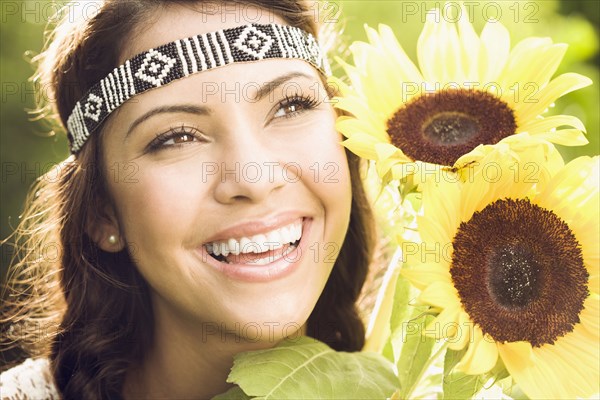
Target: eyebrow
x,y
264,90
176,108
269,87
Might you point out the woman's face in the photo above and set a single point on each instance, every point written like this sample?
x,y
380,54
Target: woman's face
x,y
218,159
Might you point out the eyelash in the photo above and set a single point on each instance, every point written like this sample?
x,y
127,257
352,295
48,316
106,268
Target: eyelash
x,y
174,132
305,102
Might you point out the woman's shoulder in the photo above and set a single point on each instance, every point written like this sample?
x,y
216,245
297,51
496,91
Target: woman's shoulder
x,y
31,379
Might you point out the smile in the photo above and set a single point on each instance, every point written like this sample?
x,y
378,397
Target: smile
x,y
265,256
251,247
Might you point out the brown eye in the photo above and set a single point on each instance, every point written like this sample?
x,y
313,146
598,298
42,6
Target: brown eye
x,y
290,107
180,138
175,137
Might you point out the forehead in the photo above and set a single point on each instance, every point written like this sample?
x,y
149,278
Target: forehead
x,y
175,21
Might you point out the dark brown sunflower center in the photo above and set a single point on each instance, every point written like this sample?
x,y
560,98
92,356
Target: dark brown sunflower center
x,y
440,127
450,129
514,276
519,272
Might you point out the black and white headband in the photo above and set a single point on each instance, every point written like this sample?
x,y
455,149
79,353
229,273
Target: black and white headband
x,y
178,59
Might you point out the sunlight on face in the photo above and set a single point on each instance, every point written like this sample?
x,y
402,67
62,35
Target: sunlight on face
x,y
229,153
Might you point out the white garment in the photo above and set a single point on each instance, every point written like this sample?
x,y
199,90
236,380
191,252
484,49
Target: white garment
x,y
31,380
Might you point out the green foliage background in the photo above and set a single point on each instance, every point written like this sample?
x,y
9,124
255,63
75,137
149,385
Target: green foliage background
x,y
27,150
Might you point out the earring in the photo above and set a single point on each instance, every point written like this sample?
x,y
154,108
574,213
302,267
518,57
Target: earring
x,y
112,239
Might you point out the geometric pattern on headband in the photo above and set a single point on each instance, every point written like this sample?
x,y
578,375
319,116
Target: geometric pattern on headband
x,y
164,64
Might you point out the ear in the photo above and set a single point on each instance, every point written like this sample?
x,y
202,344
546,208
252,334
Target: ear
x,y
103,228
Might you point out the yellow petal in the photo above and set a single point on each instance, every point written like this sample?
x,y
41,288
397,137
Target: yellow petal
x,y
444,325
589,315
427,48
373,37
571,186
520,362
398,159
410,71
452,54
353,73
532,71
566,137
440,294
441,211
594,282
493,51
524,53
385,150
487,179
516,355
382,86
362,145
567,369
470,46
465,332
481,356
362,52
536,156
403,169
475,195
546,65
339,87
359,109
558,87
350,126
425,274
540,125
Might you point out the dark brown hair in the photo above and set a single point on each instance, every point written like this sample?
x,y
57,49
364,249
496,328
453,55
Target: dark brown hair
x,y
96,302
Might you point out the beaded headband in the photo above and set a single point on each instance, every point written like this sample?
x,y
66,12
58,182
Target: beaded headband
x,y
178,59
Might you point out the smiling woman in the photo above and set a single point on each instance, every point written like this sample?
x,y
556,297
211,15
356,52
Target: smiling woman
x,y
207,209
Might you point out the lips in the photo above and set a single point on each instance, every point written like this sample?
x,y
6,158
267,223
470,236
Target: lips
x,y
274,239
265,266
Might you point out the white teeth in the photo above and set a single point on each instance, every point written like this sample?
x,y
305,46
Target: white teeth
x,y
268,260
224,249
285,232
260,243
244,243
234,246
273,238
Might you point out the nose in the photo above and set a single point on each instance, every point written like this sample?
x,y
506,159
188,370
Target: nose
x,y
250,170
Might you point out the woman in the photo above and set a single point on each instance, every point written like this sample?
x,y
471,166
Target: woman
x,y
197,219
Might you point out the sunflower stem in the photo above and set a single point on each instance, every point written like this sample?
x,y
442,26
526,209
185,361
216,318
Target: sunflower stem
x,y
378,329
428,364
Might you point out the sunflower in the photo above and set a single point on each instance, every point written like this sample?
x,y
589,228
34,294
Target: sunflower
x,y
469,91
516,275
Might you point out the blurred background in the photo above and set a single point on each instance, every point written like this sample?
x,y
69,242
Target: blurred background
x,y
29,149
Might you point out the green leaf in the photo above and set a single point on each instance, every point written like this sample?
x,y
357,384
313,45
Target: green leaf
x,y
458,385
235,393
308,369
510,388
416,349
401,313
388,351
400,309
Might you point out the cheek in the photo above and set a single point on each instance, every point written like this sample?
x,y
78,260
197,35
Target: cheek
x,y
156,209
160,215
326,173
332,164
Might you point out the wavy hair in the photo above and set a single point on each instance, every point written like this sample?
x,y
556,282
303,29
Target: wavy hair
x,y
89,311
